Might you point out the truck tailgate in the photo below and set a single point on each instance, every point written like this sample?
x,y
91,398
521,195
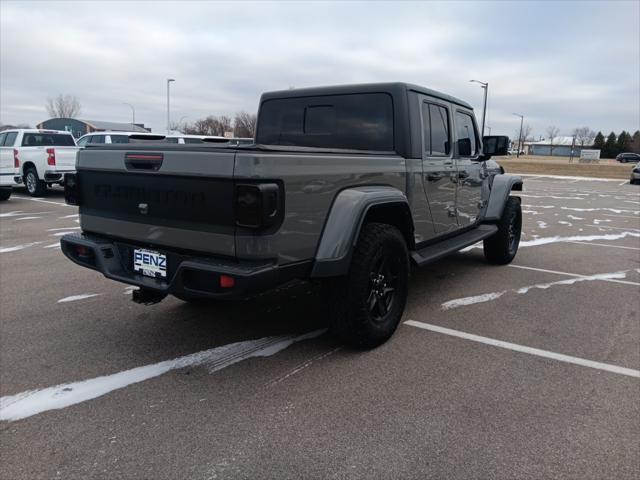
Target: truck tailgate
x,y
184,202
65,158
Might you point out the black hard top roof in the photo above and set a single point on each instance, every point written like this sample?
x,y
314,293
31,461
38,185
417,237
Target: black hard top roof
x,y
394,88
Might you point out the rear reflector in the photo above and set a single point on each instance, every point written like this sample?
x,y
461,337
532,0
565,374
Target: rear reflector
x,y
83,251
227,282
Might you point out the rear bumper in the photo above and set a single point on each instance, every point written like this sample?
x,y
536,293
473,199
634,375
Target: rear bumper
x,y
186,274
56,176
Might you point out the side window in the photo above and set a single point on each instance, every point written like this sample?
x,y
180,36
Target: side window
x,y
467,135
440,143
172,140
96,139
11,139
3,136
119,139
437,141
83,141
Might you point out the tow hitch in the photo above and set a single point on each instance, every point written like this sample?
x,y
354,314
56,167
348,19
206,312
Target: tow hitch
x,y
147,296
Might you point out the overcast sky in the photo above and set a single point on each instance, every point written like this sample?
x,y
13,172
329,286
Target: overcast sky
x,y
565,64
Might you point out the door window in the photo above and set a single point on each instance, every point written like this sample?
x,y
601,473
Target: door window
x,y
467,135
83,141
437,141
119,139
11,139
97,139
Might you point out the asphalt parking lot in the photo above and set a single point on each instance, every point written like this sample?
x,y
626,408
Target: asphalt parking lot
x,y
524,371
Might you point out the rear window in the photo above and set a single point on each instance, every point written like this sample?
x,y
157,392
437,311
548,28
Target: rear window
x,y
356,122
119,138
193,140
47,140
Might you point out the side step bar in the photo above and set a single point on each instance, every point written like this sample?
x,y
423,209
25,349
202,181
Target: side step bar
x,y
434,252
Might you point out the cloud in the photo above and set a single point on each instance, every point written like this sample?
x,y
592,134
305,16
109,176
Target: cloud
x,y
555,63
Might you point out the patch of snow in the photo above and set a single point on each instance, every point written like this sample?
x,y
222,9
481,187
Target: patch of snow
x,y
578,238
18,247
74,298
32,402
573,217
487,297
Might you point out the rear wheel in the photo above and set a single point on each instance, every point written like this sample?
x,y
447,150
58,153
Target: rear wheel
x,y
5,194
35,186
501,247
366,306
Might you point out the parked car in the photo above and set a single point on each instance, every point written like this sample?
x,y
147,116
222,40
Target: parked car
x,y
628,157
398,173
100,138
635,174
8,170
187,139
41,157
514,151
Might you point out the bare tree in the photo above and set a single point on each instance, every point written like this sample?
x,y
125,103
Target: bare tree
x,y
552,132
63,106
212,125
245,124
584,136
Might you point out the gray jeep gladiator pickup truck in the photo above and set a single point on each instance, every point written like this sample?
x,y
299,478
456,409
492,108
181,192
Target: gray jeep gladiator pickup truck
x,y
348,185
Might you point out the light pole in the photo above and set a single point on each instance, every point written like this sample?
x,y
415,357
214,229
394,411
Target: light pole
x,y
133,114
169,80
520,136
485,86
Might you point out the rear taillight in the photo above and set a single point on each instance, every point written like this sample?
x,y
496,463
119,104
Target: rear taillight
x,y
257,205
51,156
71,190
16,160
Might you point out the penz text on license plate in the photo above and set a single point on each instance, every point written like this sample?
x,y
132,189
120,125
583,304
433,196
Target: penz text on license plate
x,y
150,263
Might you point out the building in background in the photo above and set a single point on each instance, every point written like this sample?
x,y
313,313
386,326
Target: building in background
x,y
561,147
80,127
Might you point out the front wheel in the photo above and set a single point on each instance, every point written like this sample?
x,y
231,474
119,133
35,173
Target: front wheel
x,y
366,306
35,186
502,246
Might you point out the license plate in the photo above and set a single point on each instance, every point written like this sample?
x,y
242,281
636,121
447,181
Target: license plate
x,y
150,263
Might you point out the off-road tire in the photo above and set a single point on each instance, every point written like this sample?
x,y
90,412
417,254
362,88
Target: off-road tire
x,y
5,194
501,247
353,318
35,186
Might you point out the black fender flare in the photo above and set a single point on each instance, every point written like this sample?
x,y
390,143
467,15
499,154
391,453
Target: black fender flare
x,y
343,224
500,190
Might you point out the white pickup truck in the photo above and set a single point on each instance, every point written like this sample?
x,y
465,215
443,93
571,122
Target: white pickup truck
x,y
8,168
41,157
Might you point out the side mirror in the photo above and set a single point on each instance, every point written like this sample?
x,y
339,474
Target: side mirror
x,y
495,145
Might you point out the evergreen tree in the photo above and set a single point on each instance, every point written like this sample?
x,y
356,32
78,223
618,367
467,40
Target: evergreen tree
x,y
598,142
635,142
610,149
624,142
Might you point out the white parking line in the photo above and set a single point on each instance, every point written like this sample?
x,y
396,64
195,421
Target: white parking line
x,y
571,274
605,245
530,350
636,217
42,200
